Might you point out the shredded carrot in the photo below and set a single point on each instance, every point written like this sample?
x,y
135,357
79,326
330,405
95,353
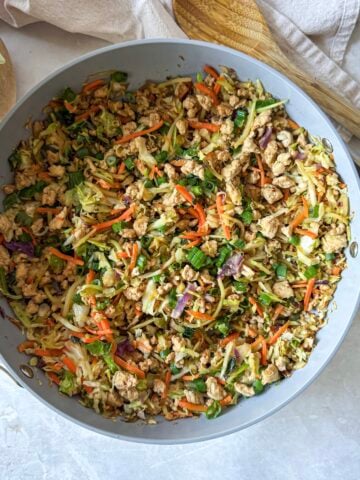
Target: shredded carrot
x,y
252,332
184,193
200,315
167,385
129,367
207,91
86,115
122,255
191,235
88,389
342,185
51,211
25,345
201,215
336,271
131,136
212,127
309,289
121,168
307,233
192,407
211,71
89,87
301,216
217,87
193,243
53,377
301,284
258,308
226,401
224,341
292,124
90,276
69,107
154,171
278,311
263,179
190,378
264,351
286,194
84,337
47,352
69,364
134,255
278,334
124,216
106,185
44,176
67,258
220,198
56,367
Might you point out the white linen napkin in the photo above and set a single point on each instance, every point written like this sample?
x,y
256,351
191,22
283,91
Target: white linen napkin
x,y
314,34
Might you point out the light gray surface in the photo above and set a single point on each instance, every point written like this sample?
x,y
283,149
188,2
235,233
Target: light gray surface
x,y
316,437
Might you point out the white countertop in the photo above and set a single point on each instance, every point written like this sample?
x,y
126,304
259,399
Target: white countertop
x,y
316,437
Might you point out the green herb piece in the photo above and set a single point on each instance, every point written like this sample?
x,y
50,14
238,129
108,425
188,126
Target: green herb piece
x,y
14,160
224,254
112,161
22,218
110,363
67,384
77,299
56,263
161,157
164,353
129,163
141,263
191,152
146,242
82,152
197,258
99,156
98,348
314,211
281,270
266,298
329,256
247,215
258,386
10,200
240,119
172,298
240,286
311,271
236,373
29,192
119,226
119,77
213,410
160,180
75,178
174,369
199,77
239,243
102,304
294,240
197,190
159,278
188,332
198,384
223,326
68,95
264,103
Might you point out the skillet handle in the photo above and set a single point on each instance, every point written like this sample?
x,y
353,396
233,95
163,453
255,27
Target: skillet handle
x,y
3,369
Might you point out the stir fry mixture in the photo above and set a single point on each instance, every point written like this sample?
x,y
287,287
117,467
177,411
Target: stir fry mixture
x,y
170,250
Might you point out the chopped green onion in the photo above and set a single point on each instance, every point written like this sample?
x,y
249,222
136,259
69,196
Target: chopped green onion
x,y
198,384
98,348
141,263
224,254
314,211
329,256
174,369
188,332
119,226
196,190
264,103
239,243
294,240
213,410
82,152
161,157
240,287
311,271
222,326
172,298
75,178
112,161
68,95
129,163
247,215
258,386
240,119
199,77
281,270
197,258
266,298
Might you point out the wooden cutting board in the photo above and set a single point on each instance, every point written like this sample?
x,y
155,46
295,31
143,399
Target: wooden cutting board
x,y
240,24
7,81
